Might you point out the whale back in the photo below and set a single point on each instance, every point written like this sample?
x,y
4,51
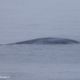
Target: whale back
x,y
48,41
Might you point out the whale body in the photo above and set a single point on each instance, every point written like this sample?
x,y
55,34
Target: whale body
x,y
48,41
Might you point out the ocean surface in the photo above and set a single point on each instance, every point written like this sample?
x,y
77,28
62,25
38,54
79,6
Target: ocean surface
x,y
40,62
22,20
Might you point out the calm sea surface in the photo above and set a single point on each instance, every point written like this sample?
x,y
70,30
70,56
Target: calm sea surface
x,y
30,19
40,53
46,62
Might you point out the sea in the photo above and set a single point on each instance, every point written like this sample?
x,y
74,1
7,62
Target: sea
x,y
22,20
40,62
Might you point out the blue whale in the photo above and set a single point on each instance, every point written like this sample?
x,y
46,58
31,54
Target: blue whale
x,y
49,40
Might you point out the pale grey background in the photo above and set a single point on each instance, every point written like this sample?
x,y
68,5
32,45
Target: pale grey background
x,y
27,19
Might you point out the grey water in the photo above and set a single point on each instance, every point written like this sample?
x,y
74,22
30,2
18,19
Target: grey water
x,y
60,53
22,20
46,62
